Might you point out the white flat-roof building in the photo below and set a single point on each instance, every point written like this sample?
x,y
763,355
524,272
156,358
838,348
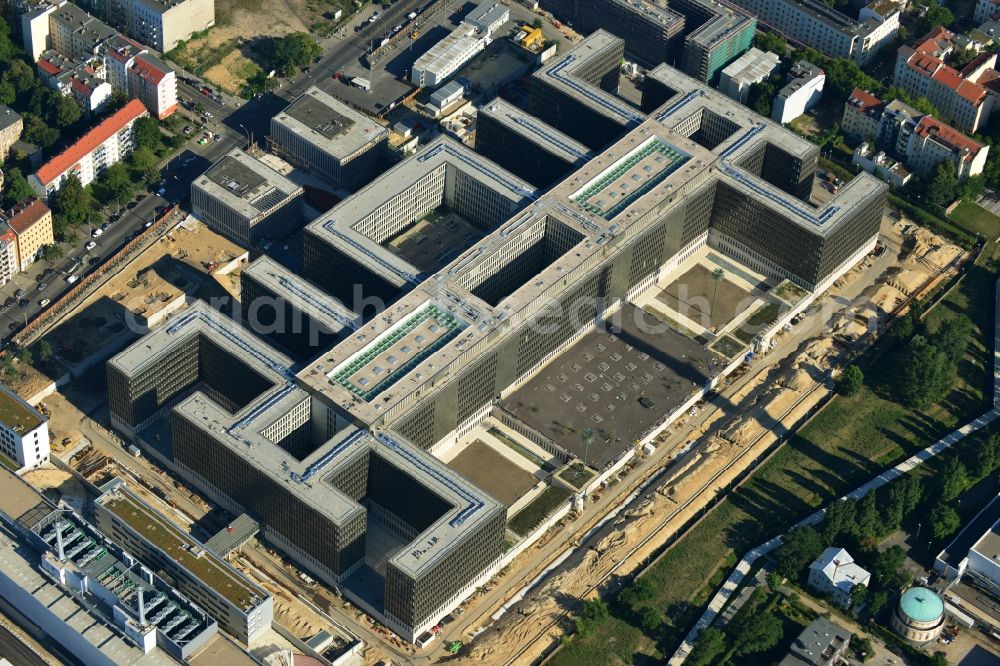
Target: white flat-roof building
x,y
24,433
752,67
317,132
447,56
975,551
488,17
801,93
834,573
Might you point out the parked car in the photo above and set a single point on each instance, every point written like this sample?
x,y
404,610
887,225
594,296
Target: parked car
x,y
24,302
20,293
42,303
9,302
42,286
90,246
96,232
70,279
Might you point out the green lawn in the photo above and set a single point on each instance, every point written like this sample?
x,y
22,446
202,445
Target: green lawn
x,y
537,510
977,220
844,446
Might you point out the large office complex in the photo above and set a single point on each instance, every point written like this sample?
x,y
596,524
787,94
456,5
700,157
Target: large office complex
x,y
290,312
239,606
700,36
526,146
381,237
251,439
481,281
243,198
322,134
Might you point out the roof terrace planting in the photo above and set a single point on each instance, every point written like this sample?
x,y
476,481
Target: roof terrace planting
x,y
629,178
380,364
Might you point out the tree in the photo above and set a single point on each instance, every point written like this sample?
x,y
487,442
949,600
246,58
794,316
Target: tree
x,y
118,182
72,202
587,437
952,337
146,132
850,380
636,593
44,351
923,373
888,568
37,132
913,492
294,52
7,93
650,619
708,647
800,547
939,659
21,76
762,94
859,593
595,611
18,188
63,111
893,506
869,525
972,188
954,479
52,252
936,15
840,519
988,456
943,187
144,160
768,41
755,632
877,603
944,521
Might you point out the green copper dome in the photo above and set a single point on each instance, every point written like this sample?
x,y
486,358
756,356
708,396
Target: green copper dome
x,y
921,605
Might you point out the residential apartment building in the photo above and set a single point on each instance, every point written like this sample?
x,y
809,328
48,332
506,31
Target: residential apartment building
x,y
9,264
802,92
985,10
109,142
814,23
35,28
79,79
11,126
75,33
752,67
822,643
161,24
152,82
24,432
921,71
862,115
31,222
932,142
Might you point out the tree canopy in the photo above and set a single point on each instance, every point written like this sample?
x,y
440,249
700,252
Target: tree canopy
x,y
801,546
850,380
295,52
146,132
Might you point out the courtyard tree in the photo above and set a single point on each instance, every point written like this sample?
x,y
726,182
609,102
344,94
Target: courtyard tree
x,y
850,380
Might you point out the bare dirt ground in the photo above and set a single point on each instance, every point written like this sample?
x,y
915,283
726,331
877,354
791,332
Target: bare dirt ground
x,y
221,56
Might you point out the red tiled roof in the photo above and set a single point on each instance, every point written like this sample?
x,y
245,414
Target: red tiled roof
x,y
147,70
971,92
866,99
947,76
924,63
949,136
24,215
81,87
48,67
91,140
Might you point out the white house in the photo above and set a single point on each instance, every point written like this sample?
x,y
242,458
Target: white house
x,y
835,574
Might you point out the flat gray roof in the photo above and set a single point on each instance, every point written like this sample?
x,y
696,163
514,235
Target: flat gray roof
x,y
561,73
246,184
718,28
329,124
302,294
537,132
7,116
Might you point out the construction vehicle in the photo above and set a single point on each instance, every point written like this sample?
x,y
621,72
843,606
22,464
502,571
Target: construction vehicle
x,y
453,647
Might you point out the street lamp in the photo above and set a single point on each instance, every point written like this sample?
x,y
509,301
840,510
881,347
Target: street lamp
x,y
249,136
